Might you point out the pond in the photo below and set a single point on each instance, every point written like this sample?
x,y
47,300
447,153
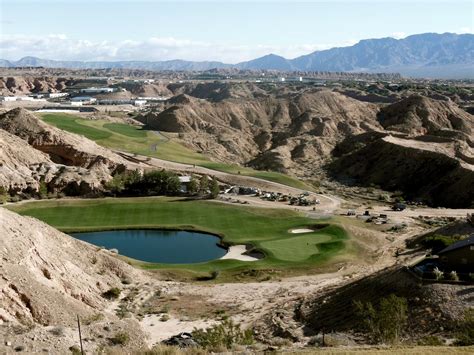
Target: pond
x,y
158,246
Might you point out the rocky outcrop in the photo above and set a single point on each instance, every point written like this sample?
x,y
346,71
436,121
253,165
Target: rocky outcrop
x,y
24,85
418,115
32,152
422,171
269,132
62,147
23,168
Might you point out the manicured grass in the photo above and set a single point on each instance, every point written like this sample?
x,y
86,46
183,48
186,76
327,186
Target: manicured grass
x,y
134,140
126,130
265,229
69,123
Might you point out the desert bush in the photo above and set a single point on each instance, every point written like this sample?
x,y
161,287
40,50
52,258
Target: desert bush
x,y
75,350
42,190
386,322
174,350
430,340
93,318
214,274
453,275
226,334
120,338
465,336
438,274
112,293
58,331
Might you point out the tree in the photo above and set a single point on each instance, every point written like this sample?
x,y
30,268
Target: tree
x,y
42,190
193,187
214,187
203,185
3,195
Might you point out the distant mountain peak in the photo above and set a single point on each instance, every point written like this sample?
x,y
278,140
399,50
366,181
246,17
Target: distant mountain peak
x,y
436,55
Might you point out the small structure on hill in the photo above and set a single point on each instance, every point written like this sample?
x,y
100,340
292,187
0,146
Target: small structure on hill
x,y
460,255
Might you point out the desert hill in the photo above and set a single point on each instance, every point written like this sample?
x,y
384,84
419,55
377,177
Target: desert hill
x,y
33,152
23,85
426,151
49,278
292,125
300,131
418,115
432,308
23,167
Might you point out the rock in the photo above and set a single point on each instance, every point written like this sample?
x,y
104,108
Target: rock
x,y
182,340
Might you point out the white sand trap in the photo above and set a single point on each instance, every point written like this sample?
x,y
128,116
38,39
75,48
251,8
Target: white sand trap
x,y
301,230
237,252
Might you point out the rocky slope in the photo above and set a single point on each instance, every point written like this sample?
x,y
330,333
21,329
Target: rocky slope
x,y
24,85
432,308
34,151
22,168
48,279
426,152
278,132
300,130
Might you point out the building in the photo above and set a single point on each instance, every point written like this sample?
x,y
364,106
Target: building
x,y
55,95
185,181
94,90
459,256
85,100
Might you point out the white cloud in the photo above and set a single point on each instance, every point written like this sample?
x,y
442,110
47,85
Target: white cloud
x,y
466,29
61,47
398,35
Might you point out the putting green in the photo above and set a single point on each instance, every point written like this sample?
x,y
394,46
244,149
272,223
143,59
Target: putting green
x,y
167,147
265,229
296,248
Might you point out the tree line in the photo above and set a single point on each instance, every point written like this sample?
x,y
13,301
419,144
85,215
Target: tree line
x,y
160,183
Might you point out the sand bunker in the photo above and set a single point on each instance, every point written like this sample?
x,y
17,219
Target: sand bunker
x,y
237,252
301,230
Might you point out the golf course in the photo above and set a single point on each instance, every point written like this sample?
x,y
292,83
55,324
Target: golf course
x,y
266,230
166,146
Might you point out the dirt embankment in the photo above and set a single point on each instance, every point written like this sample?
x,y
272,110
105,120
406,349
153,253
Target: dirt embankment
x,y
48,279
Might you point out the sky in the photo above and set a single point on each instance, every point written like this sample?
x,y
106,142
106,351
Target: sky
x,y
227,31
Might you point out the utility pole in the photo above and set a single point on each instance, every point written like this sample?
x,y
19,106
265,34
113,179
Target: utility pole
x,y
80,335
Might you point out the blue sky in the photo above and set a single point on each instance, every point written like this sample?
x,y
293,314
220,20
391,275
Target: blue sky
x,y
229,31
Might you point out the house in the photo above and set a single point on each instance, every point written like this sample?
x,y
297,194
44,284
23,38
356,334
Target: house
x,y
459,256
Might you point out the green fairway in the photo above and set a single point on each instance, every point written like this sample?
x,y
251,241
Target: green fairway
x,y
265,229
167,147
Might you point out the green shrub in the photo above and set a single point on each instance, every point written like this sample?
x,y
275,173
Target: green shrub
x,y
430,340
112,294
453,275
386,322
214,188
438,242
120,338
226,334
75,350
465,335
438,274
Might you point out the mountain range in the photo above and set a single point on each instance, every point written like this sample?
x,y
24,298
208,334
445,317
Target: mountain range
x,y
446,55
